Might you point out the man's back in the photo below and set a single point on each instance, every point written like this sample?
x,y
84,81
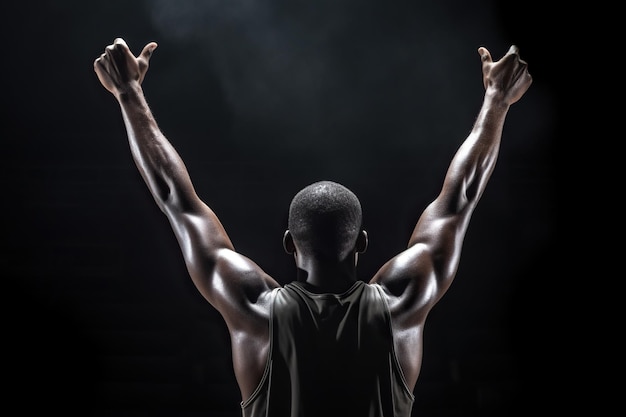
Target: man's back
x,y
331,355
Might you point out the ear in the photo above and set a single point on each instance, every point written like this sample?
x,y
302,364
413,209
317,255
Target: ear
x,y
288,244
362,242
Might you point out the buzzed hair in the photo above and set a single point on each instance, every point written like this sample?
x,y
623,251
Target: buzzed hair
x,y
325,219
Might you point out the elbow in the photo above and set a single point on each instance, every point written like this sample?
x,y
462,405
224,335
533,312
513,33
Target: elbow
x,y
162,191
470,193
466,199
163,194
474,184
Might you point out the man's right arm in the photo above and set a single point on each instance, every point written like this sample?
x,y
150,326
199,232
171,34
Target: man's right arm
x,y
233,284
225,278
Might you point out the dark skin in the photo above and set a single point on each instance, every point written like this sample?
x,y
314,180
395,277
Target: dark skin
x,y
413,281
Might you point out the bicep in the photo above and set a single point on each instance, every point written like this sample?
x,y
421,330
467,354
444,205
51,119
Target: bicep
x,y
238,288
409,282
229,281
417,278
200,235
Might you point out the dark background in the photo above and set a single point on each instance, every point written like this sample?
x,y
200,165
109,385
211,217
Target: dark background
x,y
262,98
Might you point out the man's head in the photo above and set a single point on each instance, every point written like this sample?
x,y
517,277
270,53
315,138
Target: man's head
x,y
325,220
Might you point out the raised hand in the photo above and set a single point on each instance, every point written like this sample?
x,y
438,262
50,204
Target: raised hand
x,y
117,68
509,77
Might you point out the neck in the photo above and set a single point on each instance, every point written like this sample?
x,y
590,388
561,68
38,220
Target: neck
x,y
327,276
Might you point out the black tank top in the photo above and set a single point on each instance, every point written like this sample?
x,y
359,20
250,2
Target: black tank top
x,y
331,355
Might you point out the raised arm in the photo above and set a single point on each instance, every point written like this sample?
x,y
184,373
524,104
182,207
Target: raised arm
x,y
229,281
419,276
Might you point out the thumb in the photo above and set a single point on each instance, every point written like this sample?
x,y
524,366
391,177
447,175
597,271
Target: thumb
x,y
485,56
144,59
146,53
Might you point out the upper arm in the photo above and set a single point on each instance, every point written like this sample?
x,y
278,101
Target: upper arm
x,y
417,278
229,281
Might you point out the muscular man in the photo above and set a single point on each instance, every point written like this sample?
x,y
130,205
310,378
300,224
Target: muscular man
x,y
326,344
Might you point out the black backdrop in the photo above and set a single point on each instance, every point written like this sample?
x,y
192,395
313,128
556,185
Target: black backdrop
x,y
260,99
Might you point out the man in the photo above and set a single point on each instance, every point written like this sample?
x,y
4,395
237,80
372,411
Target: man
x,y
327,344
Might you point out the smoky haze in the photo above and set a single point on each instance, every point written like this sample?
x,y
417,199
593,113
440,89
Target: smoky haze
x,y
323,74
374,94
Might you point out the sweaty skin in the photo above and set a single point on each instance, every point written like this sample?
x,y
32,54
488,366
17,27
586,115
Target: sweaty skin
x,y
413,280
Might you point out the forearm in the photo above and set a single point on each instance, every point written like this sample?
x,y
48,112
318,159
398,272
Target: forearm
x,y
156,159
443,224
475,160
466,177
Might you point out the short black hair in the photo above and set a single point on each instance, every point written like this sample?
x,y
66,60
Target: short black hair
x,y
325,219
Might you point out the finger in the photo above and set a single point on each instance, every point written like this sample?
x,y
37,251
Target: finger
x,y
105,63
513,50
147,51
485,56
103,73
97,63
120,41
117,56
119,50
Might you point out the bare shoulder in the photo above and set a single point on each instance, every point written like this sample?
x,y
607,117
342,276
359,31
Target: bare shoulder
x,y
239,289
409,284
